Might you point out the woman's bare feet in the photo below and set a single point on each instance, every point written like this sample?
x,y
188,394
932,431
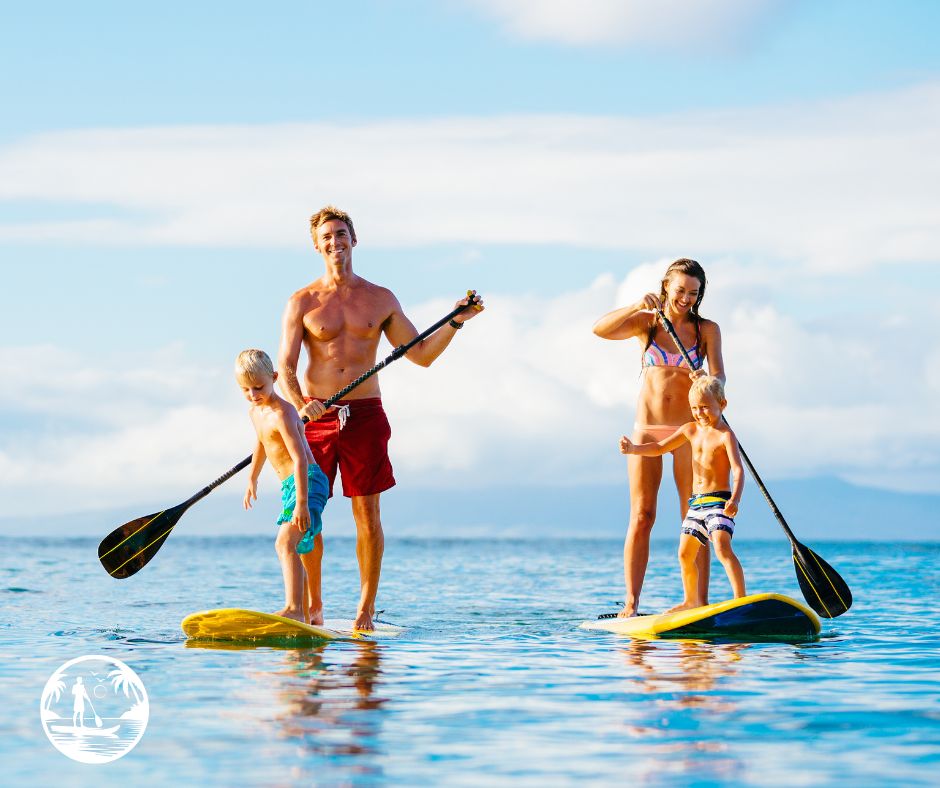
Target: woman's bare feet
x,y
629,608
316,616
683,606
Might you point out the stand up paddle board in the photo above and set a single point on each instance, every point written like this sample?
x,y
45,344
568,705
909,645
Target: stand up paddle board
x,y
755,616
241,625
86,731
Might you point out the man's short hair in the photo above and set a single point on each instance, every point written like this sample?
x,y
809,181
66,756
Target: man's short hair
x,y
326,214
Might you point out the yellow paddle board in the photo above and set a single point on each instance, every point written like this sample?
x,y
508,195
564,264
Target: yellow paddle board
x,y
755,616
240,625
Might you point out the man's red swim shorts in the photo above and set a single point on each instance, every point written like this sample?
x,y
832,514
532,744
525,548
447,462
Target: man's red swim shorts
x,y
359,449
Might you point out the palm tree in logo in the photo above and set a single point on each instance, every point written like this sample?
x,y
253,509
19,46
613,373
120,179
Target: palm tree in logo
x,y
124,680
53,692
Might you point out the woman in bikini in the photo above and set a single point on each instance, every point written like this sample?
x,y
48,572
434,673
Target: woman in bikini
x,y
663,404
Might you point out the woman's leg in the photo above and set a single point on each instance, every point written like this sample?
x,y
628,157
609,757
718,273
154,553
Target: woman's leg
x,y
682,473
645,475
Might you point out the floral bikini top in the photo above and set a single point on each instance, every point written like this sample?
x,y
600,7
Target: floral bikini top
x,y
655,356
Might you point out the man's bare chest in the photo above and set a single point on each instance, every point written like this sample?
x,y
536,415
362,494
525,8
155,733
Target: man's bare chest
x,y
336,319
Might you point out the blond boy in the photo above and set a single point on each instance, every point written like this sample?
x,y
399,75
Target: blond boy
x,y
712,507
304,488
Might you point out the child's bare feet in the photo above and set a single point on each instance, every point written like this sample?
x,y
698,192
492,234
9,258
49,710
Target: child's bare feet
x,y
295,615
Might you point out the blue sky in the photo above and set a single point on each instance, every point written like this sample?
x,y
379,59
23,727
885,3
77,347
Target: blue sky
x,y
157,165
112,64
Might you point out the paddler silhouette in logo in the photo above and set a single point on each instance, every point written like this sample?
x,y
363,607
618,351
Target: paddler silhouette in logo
x,y
102,730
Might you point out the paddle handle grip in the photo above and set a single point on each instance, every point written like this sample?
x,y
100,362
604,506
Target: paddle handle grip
x,y
671,330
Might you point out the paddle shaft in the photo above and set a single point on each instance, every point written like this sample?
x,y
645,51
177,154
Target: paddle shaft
x,y
396,354
670,328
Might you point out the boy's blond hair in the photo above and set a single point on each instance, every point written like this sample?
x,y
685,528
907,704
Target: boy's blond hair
x,y
253,363
709,385
327,213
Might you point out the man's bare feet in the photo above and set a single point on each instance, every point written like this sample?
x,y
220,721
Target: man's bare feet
x,y
363,622
295,615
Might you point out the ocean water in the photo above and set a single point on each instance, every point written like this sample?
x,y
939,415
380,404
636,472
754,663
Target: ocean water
x,y
492,682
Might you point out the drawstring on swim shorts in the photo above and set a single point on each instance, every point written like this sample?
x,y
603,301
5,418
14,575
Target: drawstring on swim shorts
x,y
343,414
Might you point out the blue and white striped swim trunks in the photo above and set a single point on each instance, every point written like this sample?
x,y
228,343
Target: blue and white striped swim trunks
x,y
707,515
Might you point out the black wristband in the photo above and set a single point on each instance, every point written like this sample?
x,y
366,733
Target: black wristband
x,y
454,324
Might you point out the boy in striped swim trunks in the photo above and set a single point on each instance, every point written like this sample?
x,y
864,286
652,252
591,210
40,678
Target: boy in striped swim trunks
x,y
716,461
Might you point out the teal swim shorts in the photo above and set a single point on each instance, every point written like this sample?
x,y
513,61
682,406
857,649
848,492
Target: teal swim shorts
x,y
318,489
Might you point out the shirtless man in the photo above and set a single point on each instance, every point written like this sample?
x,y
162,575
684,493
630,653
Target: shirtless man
x,y
340,318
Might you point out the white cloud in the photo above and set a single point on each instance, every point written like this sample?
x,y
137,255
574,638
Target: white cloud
x,y
835,185
670,24
525,394
105,431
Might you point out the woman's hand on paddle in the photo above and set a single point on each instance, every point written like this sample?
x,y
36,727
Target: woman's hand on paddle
x,y
652,303
251,493
626,445
697,373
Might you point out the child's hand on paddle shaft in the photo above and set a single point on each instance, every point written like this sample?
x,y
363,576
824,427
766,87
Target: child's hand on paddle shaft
x,y
626,445
250,492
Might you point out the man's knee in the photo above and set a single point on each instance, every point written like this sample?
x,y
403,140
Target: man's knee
x,y
367,515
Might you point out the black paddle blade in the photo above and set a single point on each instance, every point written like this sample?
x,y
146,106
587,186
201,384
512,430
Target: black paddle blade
x,y
129,548
823,588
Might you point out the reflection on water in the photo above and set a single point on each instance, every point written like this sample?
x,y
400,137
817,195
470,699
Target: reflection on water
x,y
326,701
683,676
319,698
492,683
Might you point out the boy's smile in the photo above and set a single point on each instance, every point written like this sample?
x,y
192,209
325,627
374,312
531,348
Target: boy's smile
x,y
706,409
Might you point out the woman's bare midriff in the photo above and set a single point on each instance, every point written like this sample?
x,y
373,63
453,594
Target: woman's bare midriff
x,y
664,396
